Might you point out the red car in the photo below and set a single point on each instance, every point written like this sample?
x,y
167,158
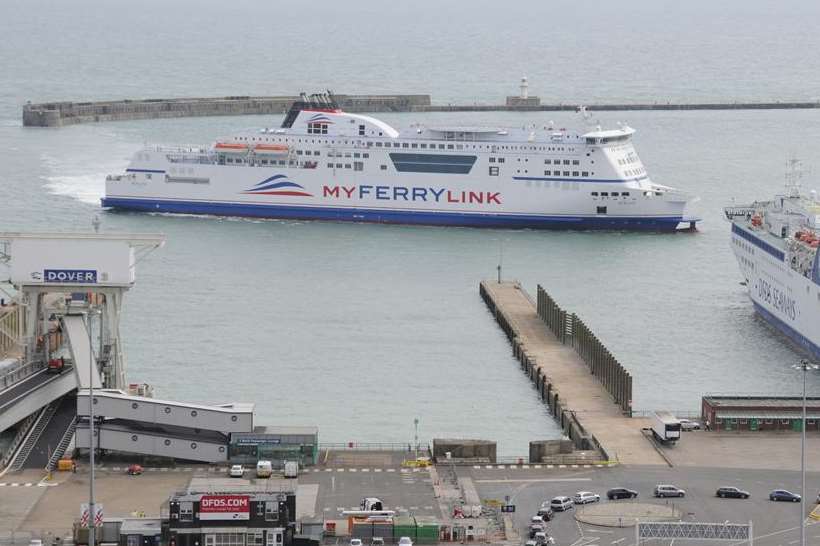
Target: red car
x,y
134,470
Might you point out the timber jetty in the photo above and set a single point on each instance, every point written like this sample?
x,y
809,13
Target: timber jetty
x,y
58,114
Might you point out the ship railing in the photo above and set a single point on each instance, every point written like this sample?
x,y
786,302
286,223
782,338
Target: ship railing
x,y
740,211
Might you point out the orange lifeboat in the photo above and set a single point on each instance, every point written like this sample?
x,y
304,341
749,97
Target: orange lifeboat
x,y
757,220
231,147
271,149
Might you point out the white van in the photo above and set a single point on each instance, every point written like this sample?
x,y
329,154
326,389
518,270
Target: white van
x,y
264,469
291,469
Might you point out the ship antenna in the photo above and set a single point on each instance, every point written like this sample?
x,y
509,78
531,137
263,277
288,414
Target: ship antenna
x,y
794,173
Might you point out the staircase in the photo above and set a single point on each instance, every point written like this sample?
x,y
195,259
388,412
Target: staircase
x,y
36,431
57,454
22,430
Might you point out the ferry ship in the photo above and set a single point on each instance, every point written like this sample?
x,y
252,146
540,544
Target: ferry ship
x,y
775,243
326,164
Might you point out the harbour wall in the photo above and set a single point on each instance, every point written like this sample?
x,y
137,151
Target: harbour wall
x,y
57,114
586,390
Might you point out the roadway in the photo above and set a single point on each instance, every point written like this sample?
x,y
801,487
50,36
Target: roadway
x,y
53,433
775,523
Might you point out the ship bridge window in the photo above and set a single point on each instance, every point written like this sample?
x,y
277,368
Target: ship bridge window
x,y
584,173
361,130
414,145
423,145
566,162
594,194
366,156
625,194
492,160
378,145
614,194
574,173
493,171
604,194
441,146
501,160
576,162
547,173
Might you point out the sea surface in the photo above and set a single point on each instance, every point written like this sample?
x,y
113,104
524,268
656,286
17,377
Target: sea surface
x,y
360,329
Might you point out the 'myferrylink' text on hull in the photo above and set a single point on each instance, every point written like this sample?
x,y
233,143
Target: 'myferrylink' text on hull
x,y
326,164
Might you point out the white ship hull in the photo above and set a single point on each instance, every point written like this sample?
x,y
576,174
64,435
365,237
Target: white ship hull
x,y
782,296
329,165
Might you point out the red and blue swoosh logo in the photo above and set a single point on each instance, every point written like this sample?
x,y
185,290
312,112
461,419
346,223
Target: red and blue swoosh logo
x,y
278,185
319,118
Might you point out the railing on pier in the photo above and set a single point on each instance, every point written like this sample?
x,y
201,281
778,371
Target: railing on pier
x,y
11,328
571,330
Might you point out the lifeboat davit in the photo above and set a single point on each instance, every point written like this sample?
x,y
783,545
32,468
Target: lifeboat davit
x,y
271,149
231,147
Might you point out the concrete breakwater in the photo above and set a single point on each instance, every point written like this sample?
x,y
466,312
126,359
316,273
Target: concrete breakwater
x,y
57,114
586,390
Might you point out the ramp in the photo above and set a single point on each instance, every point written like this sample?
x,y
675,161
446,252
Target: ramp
x,y
77,334
167,441
115,404
32,394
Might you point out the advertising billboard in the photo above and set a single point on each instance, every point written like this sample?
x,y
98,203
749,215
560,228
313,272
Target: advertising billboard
x,y
224,507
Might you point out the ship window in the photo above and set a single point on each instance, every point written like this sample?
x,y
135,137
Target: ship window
x,y
566,173
501,160
601,210
493,171
574,173
264,162
361,130
547,162
383,167
298,152
405,145
614,194
584,173
414,145
625,194
566,162
347,165
576,162
604,194
338,165
547,173
148,176
423,145
357,155
594,194
441,146
358,166
281,161
330,165
450,146
365,156
492,160
378,145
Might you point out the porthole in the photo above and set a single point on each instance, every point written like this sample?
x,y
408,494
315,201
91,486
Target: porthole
x,y
134,405
167,442
95,401
233,418
167,409
134,438
222,449
193,413
193,445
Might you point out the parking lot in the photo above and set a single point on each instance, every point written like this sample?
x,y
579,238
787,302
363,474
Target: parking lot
x,y
775,523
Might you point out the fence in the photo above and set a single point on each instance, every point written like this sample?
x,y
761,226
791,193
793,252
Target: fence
x,y
571,330
11,328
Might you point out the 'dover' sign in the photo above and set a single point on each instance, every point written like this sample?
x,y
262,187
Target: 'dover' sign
x,y
224,507
70,276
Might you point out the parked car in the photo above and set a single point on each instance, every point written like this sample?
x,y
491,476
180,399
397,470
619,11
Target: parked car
x,y
669,491
134,470
689,425
585,497
783,495
536,528
530,543
543,539
405,541
536,519
377,541
545,511
561,504
236,471
731,493
355,542
621,493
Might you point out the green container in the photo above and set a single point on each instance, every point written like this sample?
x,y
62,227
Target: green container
x,y
427,530
404,526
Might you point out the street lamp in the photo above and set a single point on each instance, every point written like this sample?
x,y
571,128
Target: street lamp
x,y
805,366
416,423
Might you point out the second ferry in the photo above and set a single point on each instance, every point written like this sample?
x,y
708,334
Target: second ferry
x,y
326,164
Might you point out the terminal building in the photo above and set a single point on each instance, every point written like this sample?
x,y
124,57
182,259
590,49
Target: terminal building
x,y
275,444
760,413
253,518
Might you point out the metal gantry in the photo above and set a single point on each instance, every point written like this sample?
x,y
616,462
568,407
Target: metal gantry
x,y
693,531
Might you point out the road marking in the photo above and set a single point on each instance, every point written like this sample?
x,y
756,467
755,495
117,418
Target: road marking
x,y
326,509
428,507
328,470
315,470
28,484
365,470
391,469
538,467
534,480
489,466
340,508
562,466
116,469
164,469
351,470
15,484
599,466
417,470
340,470
587,466
377,470
574,466
550,466
414,508
3,484
526,466
404,470
187,469
618,541
477,467
500,467
599,531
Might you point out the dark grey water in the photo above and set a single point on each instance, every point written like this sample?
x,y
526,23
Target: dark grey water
x,y
361,328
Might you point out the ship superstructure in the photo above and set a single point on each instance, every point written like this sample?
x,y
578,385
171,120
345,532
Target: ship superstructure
x,y
775,243
323,163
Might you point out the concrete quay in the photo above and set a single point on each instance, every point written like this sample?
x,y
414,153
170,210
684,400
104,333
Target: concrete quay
x,y
589,415
58,114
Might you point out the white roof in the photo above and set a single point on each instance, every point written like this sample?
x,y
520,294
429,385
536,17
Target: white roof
x,y
623,131
385,128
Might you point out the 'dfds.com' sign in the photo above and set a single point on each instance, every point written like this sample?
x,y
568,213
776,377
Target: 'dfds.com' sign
x,y
70,276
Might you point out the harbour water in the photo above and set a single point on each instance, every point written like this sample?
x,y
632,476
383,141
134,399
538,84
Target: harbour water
x,y
361,328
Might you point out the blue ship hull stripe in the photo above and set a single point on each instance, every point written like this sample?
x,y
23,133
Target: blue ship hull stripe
x,y
392,216
761,244
802,341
